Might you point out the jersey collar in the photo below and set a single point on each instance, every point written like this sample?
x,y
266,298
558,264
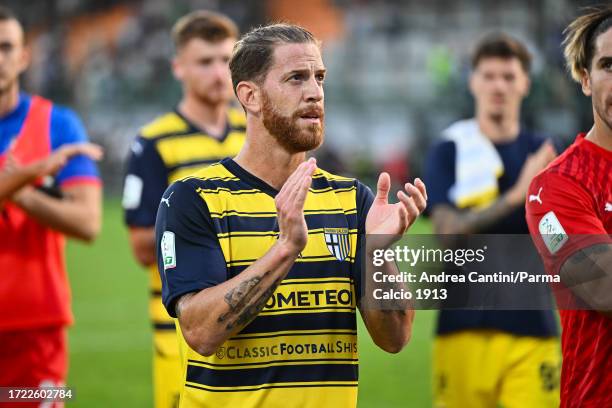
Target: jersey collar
x,y
247,177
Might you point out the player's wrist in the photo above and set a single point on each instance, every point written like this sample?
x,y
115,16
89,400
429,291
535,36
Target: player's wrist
x,y
288,250
22,197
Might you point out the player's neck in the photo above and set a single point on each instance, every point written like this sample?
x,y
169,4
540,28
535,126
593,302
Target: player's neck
x,y
9,100
502,129
210,118
262,156
600,134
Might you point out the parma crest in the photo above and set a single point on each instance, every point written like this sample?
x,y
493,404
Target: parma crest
x,y
337,241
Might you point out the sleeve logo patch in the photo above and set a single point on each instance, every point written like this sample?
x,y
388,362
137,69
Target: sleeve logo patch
x,y
552,232
168,250
132,192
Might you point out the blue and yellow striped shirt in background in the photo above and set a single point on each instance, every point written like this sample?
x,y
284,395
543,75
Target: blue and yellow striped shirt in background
x,y
167,149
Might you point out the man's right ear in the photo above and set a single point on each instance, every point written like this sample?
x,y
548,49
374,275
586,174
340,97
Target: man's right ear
x,y
249,95
585,82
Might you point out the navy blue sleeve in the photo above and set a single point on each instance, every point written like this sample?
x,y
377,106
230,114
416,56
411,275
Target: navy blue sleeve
x,y
365,198
439,174
145,181
189,256
536,141
66,127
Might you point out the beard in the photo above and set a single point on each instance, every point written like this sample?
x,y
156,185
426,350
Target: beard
x,y
287,131
600,110
216,94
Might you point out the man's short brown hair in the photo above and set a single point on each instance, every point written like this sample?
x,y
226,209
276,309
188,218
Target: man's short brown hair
x,y
580,37
500,45
206,25
253,54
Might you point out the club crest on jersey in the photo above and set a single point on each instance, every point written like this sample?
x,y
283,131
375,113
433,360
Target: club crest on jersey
x,y
337,241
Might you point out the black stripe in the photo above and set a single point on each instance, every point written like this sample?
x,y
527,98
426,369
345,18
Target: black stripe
x,y
289,309
310,270
192,163
270,234
164,326
327,211
301,333
318,185
192,132
155,292
327,189
323,360
306,281
308,321
235,213
170,135
265,387
232,192
266,375
225,189
236,223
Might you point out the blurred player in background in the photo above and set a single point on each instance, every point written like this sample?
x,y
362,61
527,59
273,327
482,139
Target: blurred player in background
x,y
259,254
203,129
38,138
571,222
478,176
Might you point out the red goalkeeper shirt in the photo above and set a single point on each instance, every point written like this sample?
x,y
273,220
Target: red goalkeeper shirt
x,y
569,207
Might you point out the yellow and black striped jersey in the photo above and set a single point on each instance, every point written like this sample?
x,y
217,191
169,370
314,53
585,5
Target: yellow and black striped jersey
x,y
167,149
301,350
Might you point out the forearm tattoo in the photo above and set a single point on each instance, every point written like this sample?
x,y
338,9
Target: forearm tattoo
x,y
245,303
583,266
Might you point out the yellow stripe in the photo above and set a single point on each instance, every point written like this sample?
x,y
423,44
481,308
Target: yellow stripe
x,y
227,190
195,176
480,199
330,346
215,172
320,173
222,202
263,214
247,248
185,172
241,233
299,260
254,190
168,123
181,149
